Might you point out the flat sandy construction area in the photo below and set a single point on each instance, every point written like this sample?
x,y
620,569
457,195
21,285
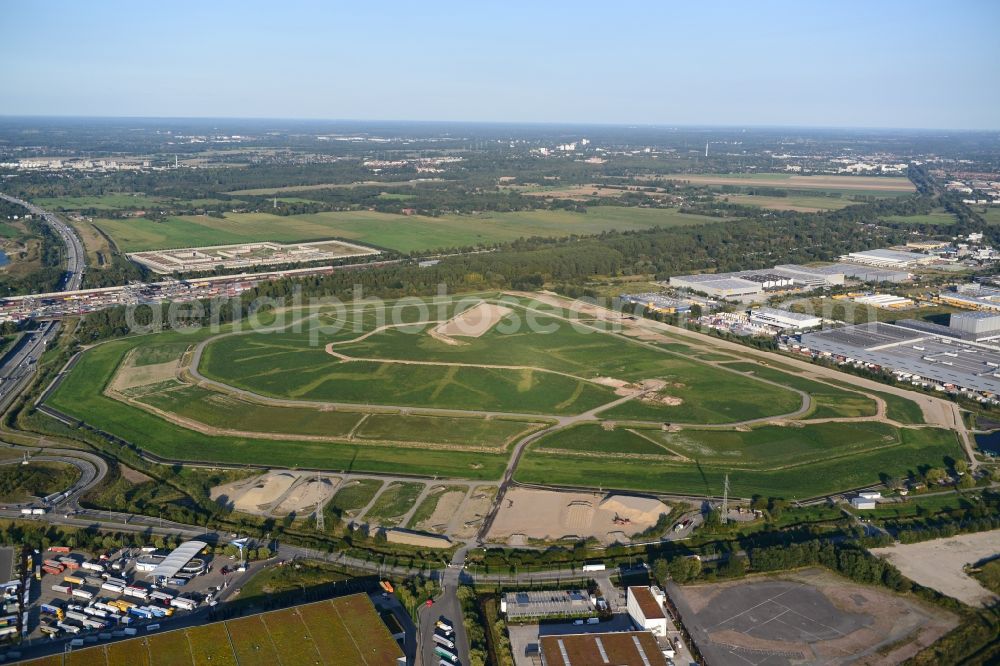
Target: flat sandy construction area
x,y
131,376
938,564
550,515
808,617
875,183
278,492
474,322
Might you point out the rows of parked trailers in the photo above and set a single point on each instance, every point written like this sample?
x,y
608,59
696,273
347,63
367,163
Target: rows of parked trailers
x,y
444,642
89,606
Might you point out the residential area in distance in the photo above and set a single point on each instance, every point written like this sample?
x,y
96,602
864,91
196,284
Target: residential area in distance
x,y
696,366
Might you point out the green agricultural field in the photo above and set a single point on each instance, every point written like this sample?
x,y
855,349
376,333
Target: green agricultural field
x,y
398,232
992,215
879,186
395,500
101,202
795,464
800,203
937,217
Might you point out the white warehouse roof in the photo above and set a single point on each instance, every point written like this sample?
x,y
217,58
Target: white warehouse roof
x,y
177,558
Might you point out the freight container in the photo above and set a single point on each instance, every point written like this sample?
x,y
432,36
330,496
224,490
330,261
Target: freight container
x,y
50,631
83,594
52,571
53,564
75,615
153,627
110,587
160,595
61,588
92,623
96,612
94,566
73,580
445,654
441,640
8,621
183,603
7,631
117,581
52,609
142,595
129,631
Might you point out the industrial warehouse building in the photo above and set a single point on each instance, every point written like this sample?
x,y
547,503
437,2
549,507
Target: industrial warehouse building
x,y
744,284
883,258
718,285
977,325
922,351
784,319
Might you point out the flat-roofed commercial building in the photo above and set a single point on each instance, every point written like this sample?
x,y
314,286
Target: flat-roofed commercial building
x,y
718,286
889,258
546,604
811,276
917,353
979,325
784,319
620,648
645,606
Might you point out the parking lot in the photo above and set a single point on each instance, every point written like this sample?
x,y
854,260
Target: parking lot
x,y
95,598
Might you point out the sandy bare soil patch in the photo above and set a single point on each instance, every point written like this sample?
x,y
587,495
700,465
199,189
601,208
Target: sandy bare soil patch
x,y
130,375
470,516
444,512
938,564
804,182
307,494
474,322
548,514
277,492
811,616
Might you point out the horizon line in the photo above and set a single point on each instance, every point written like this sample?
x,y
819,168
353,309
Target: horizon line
x,y
534,123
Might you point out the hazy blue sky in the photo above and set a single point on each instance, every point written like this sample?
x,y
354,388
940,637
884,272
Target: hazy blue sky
x,y
837,63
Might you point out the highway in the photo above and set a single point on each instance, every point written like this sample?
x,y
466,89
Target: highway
x,y
18,365
75,256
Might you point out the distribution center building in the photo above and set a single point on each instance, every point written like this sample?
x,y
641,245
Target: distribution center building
x,y
784,319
